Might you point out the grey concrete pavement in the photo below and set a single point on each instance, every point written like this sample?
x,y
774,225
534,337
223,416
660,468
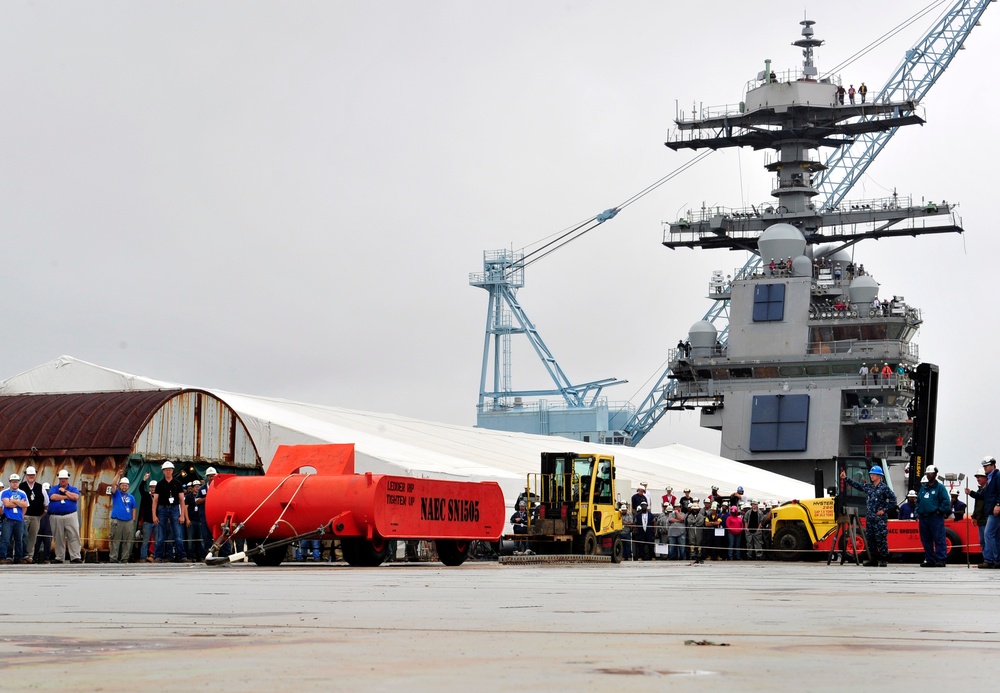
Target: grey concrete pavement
x,y
416,627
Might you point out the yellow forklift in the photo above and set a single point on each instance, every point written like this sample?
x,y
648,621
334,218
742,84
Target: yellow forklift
x,y
573,499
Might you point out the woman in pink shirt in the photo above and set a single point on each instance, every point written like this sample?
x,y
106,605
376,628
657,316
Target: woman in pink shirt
x,y
734,531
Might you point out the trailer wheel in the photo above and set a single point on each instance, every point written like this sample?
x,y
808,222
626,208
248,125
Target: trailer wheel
x,y
790,542
363,553
617,550
271,557
954,544
452,552
350,548
586,543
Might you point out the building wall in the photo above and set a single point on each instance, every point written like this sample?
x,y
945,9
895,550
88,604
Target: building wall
x,y
197,426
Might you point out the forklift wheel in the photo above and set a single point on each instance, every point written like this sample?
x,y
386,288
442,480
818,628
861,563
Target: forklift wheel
x,y
617,550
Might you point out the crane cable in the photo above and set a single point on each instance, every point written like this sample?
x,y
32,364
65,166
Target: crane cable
x,y
564,238
884,37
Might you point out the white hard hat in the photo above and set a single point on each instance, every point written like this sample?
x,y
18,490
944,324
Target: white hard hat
x,y
931,470
153,482
46,486
124,480
63,474
29,471
210,471
911,494
14,477
167,465
196,482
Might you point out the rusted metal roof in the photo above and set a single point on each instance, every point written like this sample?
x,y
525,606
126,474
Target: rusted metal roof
x,y
96,422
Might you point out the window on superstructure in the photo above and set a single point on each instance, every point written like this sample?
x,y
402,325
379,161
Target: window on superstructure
x,y
769,303
779,423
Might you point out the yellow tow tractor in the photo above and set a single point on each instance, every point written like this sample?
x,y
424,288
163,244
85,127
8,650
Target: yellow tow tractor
x,y
574,509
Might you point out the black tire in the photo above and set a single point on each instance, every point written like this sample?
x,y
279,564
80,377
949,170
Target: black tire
x,y
271,557
452,552
586,543
363,553
953,541
351,550
790,543
617,550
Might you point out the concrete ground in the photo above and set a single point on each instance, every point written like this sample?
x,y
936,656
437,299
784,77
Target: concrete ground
x,y
485,627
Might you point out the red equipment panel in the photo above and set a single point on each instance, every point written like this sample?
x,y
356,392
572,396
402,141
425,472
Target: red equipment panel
x,y
355,505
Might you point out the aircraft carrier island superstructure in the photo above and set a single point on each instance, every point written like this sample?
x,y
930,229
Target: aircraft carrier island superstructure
x,y
817,359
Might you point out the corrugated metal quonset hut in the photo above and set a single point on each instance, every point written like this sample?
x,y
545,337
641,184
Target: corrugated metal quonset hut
x,y
96,435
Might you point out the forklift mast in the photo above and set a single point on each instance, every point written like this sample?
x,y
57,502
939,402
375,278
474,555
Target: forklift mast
x,y
921,450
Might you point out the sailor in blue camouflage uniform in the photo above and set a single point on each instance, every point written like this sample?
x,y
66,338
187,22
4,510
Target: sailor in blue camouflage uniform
x,y
880,499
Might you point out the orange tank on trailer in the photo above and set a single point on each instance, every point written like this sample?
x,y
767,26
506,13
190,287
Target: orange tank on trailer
x,y
312,491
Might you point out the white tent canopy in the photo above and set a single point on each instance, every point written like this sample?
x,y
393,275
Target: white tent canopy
x,y
386,443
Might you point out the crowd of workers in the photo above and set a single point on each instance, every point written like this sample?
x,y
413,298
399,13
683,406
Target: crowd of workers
x,y
716,527
41,522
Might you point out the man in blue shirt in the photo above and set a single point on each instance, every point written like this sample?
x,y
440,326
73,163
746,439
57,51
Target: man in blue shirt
x,y
123,513
990,496
933,505
64,519
14,502
880,499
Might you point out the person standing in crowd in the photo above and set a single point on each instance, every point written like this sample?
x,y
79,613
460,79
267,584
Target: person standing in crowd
x,y
42,551
123,516
694,521
990,498
958,508
169,514
734,532
626,534
753,526
192,529
146,518
863,91
519,521
36,508
735,499
64,519
907,511
202,497
639,496
933,505
662,527
841,93
686,499
669,498
714,533
676,532
978,510
644,534
715,497
850,94
15,503
880,500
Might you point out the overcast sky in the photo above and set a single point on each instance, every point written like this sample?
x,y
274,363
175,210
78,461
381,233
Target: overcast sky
x,y
286,199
